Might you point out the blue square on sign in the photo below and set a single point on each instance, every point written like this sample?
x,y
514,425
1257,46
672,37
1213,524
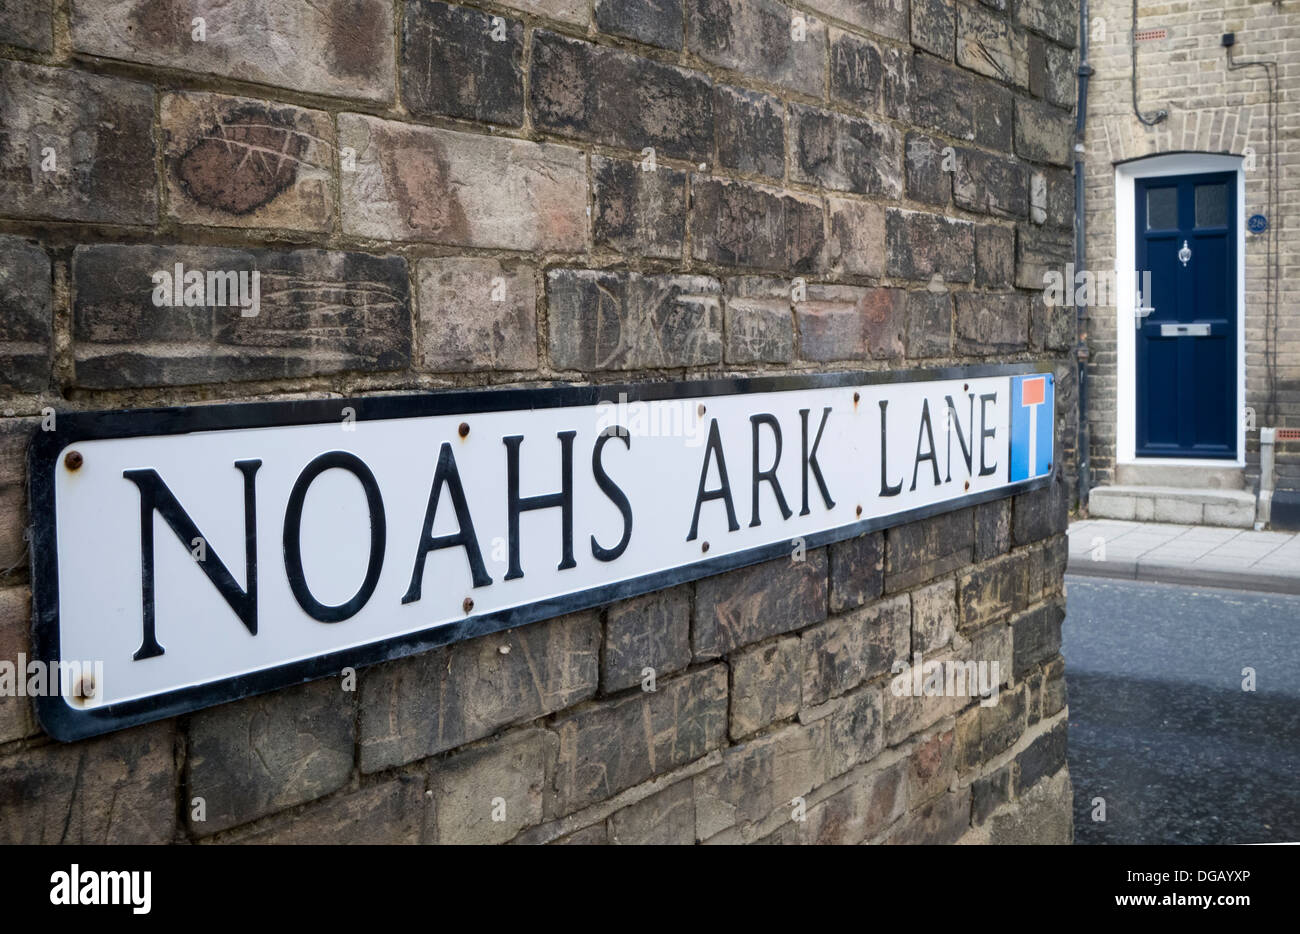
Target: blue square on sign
x,y
1032,417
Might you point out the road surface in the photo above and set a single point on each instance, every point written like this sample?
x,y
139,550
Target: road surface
x,y
1160,726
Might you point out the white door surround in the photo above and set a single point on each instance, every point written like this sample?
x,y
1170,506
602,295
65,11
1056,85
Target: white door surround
x,y
1126,173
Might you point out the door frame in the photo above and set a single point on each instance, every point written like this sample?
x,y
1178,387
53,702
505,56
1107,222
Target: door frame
x,y
1126,175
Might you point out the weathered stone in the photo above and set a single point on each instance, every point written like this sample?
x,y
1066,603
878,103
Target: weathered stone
x,y
765,685
750,604
934,616
1037,636
615,745
883,17
115,789
931,768
933,22
466,189
237,162
1043,132
848,650
1051,72
855,730
857,71
960,104
992,323
929,324
461,62
637,211
929,167
856,813
654,22
595,835
626,321
653,631
842,322
989,793
920,246
477,314
264,754
490,793
988,44
750,130
342,48
318,312
1043,816
1055,695
845,153
738,224
1041,251
379,815
921,551
1044,757
898,87
27,24
857,568
16,720
992,529
577,12
991,184
76,146
418,706
995,590
1039,514
755,37
857,242
1002,723
666,818
758,325
941,821
605,95
1051,327
1056,19
15,434
995,256
759,776
26,318
1060,197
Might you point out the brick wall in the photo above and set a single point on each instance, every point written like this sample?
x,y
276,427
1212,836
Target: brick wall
x,y
381,162
1211,109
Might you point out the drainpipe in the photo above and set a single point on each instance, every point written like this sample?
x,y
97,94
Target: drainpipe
x,y
1083,438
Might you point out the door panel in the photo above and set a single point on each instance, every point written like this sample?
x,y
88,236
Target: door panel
x,y
1187,383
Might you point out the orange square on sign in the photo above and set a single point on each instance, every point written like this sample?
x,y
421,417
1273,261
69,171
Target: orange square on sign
x,y
1031,391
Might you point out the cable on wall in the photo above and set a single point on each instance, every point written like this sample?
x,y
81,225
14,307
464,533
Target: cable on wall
x,y
1156,116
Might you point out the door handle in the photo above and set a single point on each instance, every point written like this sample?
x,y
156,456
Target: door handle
x,y
1139,315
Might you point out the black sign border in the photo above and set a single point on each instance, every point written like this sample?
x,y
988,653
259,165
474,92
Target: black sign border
x,y
66,724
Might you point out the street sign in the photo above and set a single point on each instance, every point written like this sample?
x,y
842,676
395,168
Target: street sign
x,y
197,555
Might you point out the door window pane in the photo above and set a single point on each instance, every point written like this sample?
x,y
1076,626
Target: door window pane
x,y
1212,205
1162,208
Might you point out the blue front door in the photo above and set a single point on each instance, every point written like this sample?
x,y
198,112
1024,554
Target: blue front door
x,y
1187,325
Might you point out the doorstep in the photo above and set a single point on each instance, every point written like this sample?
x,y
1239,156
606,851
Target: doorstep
x,y
1182,505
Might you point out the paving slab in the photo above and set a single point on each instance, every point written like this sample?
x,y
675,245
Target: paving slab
x,y
1186,554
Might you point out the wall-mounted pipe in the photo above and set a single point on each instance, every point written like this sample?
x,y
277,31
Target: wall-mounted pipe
x,y
1083,437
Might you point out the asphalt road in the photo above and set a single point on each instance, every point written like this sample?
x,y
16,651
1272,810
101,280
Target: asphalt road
x,y
1160,726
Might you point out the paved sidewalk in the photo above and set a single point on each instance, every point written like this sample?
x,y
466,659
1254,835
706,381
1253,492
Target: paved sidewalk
x,y
1186,554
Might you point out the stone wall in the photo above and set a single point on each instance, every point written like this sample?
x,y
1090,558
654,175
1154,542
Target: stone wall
x,y
384,163
1211,109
